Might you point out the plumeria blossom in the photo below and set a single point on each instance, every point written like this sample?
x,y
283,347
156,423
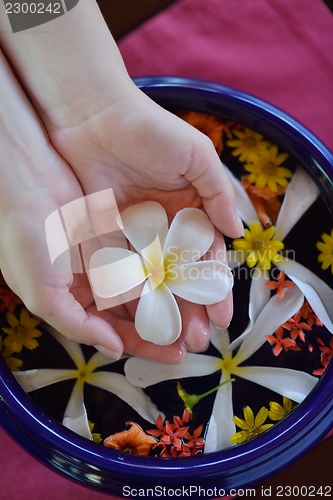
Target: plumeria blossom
x,y
167,263
75,416
299,196
293,384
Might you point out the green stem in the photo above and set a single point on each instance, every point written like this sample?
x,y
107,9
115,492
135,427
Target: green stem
x,y
190,400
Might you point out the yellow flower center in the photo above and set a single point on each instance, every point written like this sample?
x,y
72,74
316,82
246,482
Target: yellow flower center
x,y
258,245
250,142
269,168
253,432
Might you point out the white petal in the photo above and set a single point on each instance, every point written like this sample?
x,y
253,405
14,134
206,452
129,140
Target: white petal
x,y
31,380
244,205
73,348
316,291
143,373
276,312
220,339
293,384
190,235
133,396
221,426
75,416
205,282
299,196
149,214
259,297
114,271
157,318
98,360
235,258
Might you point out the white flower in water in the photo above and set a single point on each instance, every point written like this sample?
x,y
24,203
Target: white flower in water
x,y
299,196
75,416
293,384
166,264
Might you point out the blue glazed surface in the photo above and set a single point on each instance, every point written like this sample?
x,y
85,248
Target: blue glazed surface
x,y
252,462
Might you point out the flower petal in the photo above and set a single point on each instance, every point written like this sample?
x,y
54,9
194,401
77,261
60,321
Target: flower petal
x,y
220,339
98,360
30,380
259,297
299,196
244,205
73,349
114,271
293,384
317,292
149,214
276,312
75,416
221,426
190,235
132,395
143,373
157,318
205,282
12,320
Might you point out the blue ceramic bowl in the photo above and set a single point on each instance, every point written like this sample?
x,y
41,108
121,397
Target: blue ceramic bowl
x,y
238,467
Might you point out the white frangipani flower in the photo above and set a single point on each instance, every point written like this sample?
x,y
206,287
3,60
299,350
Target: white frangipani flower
x,y
293,384
75,416
166,264
300,194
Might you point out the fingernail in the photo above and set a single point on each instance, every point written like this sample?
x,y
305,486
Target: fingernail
x,y
240,226
109,352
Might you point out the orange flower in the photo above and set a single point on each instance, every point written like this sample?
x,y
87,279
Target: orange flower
x,y
308,314
134,441
280,285
280,343
296,328
266,203
8,299
208,124
175,439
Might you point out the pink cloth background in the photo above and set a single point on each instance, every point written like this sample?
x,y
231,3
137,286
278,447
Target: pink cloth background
x,y
278,50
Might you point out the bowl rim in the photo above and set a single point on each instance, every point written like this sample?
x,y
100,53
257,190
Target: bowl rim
x,y
243,465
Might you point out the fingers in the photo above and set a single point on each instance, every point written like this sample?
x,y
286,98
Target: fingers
x,y
195,331
208,176
221,313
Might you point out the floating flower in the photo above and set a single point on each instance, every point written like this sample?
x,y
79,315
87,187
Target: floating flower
x,y
248,143
251,426
308,314
299,196
75,416
278,412
165,265
175,439
134,441
281,343
259,246
12,362
265,169
22,332
296,327
96,437
266,203
292,383
280,285
326,249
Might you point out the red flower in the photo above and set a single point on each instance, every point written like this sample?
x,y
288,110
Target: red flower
x,y
308,314
296,328
280,285
8,299
280,343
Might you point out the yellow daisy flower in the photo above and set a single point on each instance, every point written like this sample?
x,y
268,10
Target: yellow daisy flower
x,y
265,169
97,438
259,245
326,249
21,332
248,142
251,426
278,412
13,363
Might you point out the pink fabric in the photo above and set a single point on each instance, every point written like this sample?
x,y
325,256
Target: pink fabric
x,y
278,50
